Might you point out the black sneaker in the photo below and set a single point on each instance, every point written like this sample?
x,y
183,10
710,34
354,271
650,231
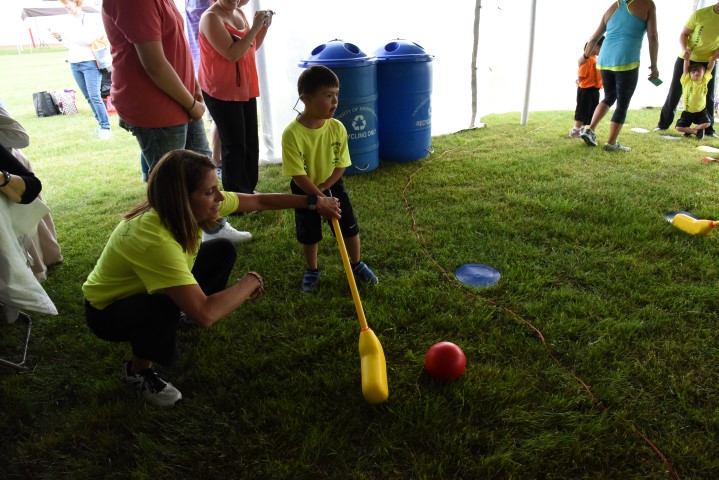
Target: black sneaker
x,y
152,388
700,134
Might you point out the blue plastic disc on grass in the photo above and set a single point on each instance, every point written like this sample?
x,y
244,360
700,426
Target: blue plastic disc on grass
x,y
477,275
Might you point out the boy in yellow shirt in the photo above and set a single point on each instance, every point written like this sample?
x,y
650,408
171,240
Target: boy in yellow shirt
x,y
695,84
315,154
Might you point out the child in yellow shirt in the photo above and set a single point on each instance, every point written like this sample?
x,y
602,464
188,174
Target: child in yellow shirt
x,y
695,85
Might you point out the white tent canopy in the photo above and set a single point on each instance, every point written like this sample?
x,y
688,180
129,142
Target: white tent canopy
x,y
446,32
561,27
44,8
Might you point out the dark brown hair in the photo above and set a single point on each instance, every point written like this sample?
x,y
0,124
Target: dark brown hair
x,y
174,178
314,78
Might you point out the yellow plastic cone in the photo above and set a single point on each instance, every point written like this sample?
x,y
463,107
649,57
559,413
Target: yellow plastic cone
x,y
693,226
373,366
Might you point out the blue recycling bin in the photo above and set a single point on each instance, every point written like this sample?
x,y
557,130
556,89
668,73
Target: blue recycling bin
x,y
357,107
404,87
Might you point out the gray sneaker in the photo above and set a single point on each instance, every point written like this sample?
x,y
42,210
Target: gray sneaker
x,y
616,148
589,137
152,388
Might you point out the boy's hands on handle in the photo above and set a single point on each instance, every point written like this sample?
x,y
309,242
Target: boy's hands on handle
x,y
328,207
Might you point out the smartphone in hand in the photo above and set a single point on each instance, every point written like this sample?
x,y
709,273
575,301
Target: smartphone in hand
x,y
656,81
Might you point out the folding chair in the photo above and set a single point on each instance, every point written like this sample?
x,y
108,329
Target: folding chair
x,y
21,364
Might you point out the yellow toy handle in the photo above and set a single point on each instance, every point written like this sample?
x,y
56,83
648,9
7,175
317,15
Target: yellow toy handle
x,y
350,275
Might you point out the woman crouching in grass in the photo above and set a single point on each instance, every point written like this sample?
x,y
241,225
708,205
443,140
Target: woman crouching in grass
x,y
155,266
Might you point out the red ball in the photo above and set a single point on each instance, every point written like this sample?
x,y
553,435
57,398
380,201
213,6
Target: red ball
x,y
445,361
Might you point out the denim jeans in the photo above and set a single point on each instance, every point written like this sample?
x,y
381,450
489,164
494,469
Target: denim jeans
x,y
88,78
156,142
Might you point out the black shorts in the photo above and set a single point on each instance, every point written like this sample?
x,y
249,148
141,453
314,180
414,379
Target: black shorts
x,y
687,119
587,101
308,223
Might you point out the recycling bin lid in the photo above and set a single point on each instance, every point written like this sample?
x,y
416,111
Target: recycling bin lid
x,y
337,53
400,50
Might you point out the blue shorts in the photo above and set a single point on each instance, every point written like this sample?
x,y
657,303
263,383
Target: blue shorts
x,y
308,223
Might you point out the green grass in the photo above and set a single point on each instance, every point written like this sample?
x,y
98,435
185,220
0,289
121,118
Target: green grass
x,y
625,303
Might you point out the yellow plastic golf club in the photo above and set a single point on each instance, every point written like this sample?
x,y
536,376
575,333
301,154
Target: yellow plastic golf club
x,y
373,365
693,226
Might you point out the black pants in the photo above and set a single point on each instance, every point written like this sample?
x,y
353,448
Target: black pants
x,y
666,118
149,322
237,125
619,88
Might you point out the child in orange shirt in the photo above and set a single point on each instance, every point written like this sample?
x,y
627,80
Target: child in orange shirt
x,y
588,85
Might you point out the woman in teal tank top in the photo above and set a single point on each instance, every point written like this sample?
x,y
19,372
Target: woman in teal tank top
x,y
623,26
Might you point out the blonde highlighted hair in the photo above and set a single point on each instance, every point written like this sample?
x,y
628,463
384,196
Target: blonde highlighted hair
x,y
171,182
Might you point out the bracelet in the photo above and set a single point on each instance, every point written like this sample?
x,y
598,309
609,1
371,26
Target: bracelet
x,y
257,276
194,101
6,177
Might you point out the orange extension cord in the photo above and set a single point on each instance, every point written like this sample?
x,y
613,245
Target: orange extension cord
x,y
552,356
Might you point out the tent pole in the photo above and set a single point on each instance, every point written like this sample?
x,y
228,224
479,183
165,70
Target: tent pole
x,y
268,152
475,46
529,63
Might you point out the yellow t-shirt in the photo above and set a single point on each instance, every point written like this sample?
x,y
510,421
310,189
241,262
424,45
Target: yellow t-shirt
x,y
142,256
314,152
695,93
704,39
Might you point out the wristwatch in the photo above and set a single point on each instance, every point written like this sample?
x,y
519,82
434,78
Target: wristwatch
x,y
6,180
312,201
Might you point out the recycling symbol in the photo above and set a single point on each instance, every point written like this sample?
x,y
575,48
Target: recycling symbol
x,y
359,123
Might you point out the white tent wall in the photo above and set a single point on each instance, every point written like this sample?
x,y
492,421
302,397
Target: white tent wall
x,y
446,32
22,32
299,27
562,27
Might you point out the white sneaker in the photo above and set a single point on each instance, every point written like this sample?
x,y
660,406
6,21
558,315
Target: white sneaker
x,y
228,231
575,132
152,388
104,134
